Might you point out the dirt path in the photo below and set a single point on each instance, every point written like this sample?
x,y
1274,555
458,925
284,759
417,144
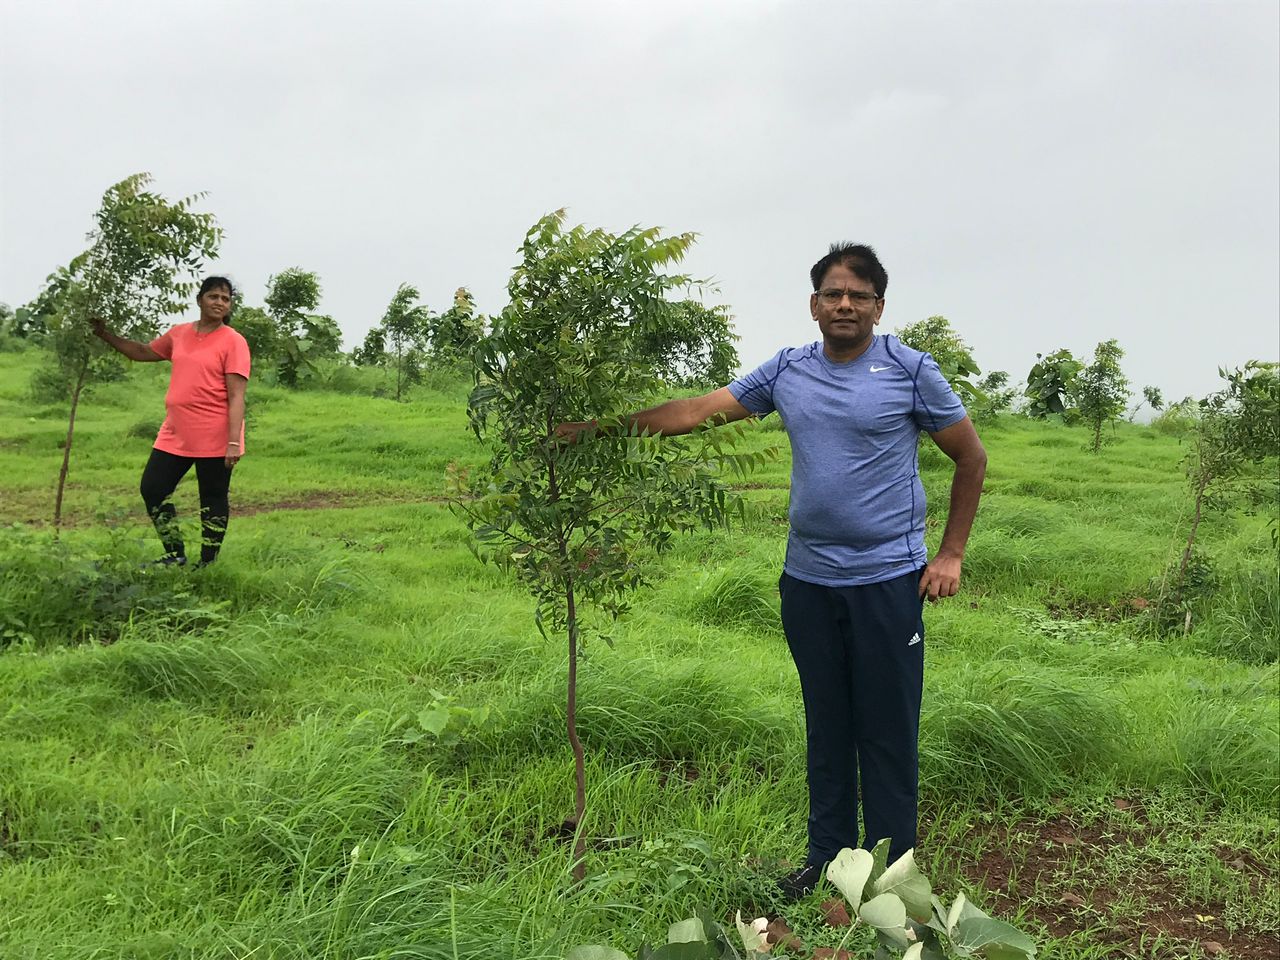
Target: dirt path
x,y
318,501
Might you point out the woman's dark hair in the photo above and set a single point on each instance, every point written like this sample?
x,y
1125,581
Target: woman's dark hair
x,y
213,283
859,258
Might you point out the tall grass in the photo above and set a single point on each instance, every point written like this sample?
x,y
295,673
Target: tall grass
x,y
233,762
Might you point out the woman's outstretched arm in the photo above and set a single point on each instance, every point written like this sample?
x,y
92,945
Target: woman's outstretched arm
x,y
130,348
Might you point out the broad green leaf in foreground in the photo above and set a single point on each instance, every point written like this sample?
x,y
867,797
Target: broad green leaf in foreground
x,y
687,931
885,912
879,854
593,952
962,909
995,938
904,878
434,719
849,872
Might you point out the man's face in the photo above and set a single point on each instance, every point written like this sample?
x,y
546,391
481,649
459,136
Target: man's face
x,y
846,309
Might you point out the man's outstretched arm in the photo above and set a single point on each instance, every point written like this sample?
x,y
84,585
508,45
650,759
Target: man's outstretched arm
x,y
674,417
959,442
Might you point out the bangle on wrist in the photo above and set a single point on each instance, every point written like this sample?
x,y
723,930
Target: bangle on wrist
x,y
233,443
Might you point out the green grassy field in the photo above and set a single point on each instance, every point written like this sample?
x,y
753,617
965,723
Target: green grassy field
x,y
231,762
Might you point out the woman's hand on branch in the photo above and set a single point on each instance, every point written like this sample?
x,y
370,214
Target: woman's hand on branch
x,y
99,327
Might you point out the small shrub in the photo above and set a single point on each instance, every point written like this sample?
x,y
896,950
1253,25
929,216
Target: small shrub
x,y
1184,594
144,429
64,592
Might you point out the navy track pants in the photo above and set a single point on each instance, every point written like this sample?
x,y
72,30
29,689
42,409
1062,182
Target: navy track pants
x,y
860,655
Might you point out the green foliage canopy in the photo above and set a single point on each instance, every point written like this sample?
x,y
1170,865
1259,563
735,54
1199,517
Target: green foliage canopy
x,y
1101,390
690,345
305,339
570,520
142,264
568,347
455,334
935,336
404,328
1050,383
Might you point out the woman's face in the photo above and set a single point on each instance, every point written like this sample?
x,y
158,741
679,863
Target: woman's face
x,y
215,303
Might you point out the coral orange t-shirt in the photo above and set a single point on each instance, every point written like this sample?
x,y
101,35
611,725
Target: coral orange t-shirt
x,y
196,405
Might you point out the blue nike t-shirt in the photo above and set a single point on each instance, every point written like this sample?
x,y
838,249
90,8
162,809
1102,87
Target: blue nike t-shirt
x,y
857,504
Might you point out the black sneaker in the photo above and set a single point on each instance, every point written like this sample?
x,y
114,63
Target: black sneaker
x,y
800,883
170,560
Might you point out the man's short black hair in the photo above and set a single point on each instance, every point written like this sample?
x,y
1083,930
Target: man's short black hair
x,y
859,258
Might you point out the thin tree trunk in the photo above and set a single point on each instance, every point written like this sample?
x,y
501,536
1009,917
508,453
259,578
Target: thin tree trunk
x,y
1195,524
66,449
571,708
579,762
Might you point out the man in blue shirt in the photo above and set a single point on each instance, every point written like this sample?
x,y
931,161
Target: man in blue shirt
x,y
856,571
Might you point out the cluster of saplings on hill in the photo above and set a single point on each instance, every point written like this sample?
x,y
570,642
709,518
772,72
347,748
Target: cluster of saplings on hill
x,y
295,345
147,252
595,324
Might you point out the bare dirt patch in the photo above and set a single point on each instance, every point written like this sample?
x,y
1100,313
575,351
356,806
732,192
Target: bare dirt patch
x,y
325,500
1056,872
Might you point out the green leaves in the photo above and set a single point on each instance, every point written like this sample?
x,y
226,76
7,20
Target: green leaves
x,y
571,519
954,357
576,344
687,931
849,873
886,912
444,721
992,938
1050,383
145,253
305,343
963,931
904,879
1101,390
906,916
974,934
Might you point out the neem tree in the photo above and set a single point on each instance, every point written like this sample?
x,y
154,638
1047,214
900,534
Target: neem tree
x,y
143,264
403,329
303,339
570,519
1237,426
454,334
1101,391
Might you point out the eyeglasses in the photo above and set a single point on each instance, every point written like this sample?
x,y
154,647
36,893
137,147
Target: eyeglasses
x,y
859,298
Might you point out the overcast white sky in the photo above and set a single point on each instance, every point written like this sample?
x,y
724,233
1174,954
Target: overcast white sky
x,y
1043,174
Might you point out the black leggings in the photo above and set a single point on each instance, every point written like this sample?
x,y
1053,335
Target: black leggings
x,y
160,478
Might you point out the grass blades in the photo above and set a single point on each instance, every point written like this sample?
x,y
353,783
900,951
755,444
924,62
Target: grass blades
x,y
236,761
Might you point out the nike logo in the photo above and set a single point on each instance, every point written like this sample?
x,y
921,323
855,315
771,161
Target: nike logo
x,y
874,369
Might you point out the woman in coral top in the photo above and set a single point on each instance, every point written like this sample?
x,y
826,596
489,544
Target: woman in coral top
x,y
204,422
